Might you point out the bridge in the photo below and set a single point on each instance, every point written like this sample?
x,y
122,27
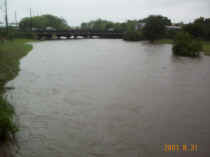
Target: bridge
x,y
49,34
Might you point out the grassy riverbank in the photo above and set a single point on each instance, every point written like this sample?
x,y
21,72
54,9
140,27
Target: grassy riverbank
x,y
10,54
164,41
206,45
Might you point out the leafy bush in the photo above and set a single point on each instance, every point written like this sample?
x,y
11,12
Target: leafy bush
x,y
185,45
133,36
7,124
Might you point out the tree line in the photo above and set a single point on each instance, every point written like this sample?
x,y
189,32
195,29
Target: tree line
x,y
151,28
155,28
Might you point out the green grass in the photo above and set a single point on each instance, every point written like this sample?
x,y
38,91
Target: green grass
x,y
7,125
10,54
206,45
164,41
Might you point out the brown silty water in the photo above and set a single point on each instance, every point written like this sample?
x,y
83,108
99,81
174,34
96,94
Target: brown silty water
x,y
110,98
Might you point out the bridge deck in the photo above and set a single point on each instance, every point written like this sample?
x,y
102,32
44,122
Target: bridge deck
x,y
85,34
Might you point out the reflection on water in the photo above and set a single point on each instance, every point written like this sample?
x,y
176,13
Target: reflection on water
x,y
109,98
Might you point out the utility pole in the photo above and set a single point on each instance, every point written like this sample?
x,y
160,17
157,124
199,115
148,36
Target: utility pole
x,y
16,23
6,17
31,19
2,13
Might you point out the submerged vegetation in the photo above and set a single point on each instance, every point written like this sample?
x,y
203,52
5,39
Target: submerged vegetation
x,y
10,54
205,45
185,45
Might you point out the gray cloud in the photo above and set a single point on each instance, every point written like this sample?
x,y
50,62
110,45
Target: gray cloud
x,y
77,11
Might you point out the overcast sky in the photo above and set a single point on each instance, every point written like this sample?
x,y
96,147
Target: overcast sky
x,y
77,11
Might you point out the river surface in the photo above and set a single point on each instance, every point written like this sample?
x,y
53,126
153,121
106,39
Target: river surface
x,y
110,98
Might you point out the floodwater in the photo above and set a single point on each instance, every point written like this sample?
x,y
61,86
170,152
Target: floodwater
x,y
110,98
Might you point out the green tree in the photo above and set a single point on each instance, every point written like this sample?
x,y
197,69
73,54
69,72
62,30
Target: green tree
x,y
200,28
155,27
104,25
98,25
163,19
41,22
130,25
84,26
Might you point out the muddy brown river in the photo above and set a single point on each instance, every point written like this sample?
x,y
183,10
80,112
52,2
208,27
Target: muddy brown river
x,y
110,98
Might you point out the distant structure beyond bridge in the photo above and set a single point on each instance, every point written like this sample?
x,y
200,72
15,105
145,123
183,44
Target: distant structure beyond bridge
x,y
49,34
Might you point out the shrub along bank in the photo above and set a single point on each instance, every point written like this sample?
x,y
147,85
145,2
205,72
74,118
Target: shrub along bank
x,y
185,45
